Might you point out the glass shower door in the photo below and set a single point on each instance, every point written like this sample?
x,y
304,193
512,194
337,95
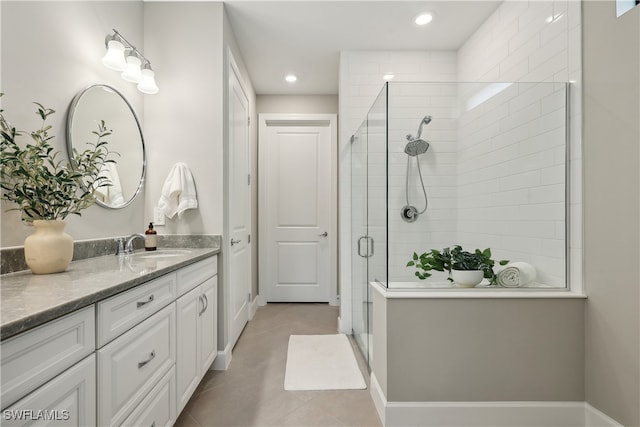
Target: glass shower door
x,y
359,288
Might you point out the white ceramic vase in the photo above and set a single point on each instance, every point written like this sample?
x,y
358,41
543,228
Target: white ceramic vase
x,y
467,278
49,249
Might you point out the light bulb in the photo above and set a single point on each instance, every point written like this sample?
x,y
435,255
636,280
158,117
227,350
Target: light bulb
x,y
423,19
114,58
148,82
132,73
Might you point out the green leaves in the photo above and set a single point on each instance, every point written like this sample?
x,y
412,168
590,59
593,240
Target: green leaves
x,y
40,185
454,259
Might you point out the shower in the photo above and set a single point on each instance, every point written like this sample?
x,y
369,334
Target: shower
x,y
415,146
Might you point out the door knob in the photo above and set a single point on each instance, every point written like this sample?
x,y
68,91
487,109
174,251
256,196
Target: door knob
x,y
325,234
234,241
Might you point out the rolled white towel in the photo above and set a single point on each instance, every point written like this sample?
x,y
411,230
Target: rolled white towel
x,y
516,274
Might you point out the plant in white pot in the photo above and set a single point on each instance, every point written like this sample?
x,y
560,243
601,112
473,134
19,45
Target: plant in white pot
x,y
466,269
47,190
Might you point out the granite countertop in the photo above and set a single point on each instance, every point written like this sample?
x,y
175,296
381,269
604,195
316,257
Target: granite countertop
x,y
28,300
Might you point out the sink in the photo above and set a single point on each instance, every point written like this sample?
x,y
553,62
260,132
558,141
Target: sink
x,y
162,253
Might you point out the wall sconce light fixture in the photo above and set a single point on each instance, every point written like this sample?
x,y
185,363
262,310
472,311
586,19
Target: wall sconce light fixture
x,y
123,56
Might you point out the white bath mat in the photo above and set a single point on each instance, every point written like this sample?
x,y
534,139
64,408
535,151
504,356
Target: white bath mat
x,y
321,362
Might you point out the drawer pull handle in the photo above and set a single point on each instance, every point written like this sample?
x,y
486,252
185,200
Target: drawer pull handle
x,y
143,303
152,355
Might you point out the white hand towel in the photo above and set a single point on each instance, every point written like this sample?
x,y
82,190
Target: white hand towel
x,y
178,192
516,274
110,194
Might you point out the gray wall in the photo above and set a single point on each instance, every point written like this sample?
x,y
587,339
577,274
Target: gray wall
x,y
187,119
611,140
50,51
299,104
483,349
184,121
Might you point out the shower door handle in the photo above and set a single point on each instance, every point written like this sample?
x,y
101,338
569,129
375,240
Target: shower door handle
x,y
369,246
360,246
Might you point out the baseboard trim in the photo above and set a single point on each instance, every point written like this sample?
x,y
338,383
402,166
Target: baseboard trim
x,y
596,418
495,414
261,300
253,306
378,397
343,328
222,360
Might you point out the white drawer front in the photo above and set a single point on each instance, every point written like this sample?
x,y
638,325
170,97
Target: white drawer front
x,y
132,364
191,276
36,356
69,399
121,312
158,408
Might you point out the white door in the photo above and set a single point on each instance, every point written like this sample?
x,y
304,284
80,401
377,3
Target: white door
x,y
239,207
297,228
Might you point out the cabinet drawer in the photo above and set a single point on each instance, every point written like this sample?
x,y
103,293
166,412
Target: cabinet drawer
x,y
120,313
191,276
131,365
158,408
69,399
34,357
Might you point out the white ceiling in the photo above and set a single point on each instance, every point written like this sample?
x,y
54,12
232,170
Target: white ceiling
x,y
306,37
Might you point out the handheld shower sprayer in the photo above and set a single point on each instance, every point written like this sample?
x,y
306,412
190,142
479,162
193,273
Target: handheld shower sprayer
x,y
414,148
417,145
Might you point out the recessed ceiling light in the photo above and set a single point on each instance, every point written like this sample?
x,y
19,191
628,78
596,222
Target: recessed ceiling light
x,y
388,76
423,19
291,78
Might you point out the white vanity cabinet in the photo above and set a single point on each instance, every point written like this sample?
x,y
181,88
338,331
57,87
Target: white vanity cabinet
x,y
133,359
196,322
48,373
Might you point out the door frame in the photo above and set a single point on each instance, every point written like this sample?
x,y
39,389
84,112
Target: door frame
x,y
263,232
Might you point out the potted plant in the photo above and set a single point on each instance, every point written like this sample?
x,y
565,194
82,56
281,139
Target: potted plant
x,y
466,269
46,190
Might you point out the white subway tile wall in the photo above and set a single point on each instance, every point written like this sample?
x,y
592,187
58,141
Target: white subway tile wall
x,y
494,173
506,198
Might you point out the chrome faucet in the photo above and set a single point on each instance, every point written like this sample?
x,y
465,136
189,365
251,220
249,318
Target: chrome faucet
x,y
128,249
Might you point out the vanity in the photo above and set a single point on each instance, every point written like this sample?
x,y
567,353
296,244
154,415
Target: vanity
x,y
114,340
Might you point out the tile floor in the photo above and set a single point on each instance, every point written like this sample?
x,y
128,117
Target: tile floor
x,y
251,392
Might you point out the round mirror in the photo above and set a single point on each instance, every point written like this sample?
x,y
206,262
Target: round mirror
x,y
88,108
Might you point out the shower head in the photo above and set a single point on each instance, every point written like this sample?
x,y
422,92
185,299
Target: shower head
x,y
416,146
425,121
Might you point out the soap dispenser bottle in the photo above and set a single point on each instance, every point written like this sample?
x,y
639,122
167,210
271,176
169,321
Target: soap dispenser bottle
x,y
151,239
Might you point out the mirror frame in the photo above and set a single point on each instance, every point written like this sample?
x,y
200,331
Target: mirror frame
x,y
70,114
